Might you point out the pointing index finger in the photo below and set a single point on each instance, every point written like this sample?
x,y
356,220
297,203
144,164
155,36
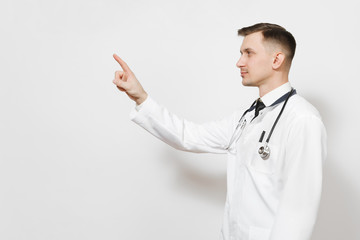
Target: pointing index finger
x,y
123,64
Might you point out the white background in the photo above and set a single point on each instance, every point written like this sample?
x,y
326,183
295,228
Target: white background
x,y
72,165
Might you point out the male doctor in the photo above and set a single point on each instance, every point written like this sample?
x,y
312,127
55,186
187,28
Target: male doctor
x,y
276,148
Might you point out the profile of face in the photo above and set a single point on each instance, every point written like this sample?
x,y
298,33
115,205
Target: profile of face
x,y
256,61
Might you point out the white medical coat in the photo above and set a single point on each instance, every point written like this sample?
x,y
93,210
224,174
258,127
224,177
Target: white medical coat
x,y
273,199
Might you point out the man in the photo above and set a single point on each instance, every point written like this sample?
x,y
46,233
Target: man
x,y
275,153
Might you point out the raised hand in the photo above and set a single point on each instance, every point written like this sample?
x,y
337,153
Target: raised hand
x,y
127,82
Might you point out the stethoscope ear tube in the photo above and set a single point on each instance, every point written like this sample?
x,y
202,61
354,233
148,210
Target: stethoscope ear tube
x,y
233,137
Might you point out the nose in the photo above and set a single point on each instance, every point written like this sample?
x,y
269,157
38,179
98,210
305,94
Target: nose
x,y
240,63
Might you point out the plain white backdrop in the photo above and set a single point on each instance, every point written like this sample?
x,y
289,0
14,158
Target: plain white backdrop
x,y
72,165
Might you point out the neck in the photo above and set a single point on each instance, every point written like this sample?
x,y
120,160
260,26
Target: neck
x,y
271,84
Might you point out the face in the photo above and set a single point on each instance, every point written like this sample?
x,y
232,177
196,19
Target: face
x,y
255,62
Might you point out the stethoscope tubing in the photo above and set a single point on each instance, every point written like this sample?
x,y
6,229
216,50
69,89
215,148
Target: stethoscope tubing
x,y
279,115
292,92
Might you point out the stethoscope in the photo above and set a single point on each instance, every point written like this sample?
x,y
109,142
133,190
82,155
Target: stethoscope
x,y
264,151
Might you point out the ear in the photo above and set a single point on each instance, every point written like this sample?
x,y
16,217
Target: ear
x,y
278,60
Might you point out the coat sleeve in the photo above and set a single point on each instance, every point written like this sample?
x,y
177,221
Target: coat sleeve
x,y
305,156
212,137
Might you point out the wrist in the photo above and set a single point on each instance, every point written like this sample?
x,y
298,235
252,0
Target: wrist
x,y
141,99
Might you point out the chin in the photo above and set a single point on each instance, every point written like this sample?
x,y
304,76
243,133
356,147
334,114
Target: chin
x,y
247,83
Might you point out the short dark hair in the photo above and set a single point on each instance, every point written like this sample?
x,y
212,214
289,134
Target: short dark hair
x,y
275,33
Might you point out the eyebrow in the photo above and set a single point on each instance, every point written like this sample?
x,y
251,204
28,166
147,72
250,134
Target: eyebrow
x,y
247,49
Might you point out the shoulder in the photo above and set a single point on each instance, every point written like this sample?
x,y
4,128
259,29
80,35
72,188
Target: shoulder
x,y
299,107
303,116
305,125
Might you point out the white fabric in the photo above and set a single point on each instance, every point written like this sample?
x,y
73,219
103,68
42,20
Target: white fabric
x,y
273,199
138,107
272,96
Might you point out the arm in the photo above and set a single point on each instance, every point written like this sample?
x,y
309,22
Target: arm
x,y
179,133
305,156
212,137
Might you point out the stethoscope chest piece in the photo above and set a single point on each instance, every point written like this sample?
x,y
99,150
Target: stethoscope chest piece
x,y
264,152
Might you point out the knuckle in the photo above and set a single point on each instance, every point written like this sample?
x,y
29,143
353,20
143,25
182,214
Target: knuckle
x,y
121,84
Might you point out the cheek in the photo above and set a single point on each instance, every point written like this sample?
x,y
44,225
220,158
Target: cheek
x,y
262,65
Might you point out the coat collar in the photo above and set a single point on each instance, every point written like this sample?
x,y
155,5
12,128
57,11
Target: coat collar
x,y
269,98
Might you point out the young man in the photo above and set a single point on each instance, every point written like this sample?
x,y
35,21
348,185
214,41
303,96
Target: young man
x,y
276,148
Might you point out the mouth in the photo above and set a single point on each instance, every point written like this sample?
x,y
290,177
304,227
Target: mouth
x,y
243,74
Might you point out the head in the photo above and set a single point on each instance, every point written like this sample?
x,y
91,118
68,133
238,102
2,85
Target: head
x,y
266,54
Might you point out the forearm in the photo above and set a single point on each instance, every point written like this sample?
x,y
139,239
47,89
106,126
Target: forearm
x,y
180,133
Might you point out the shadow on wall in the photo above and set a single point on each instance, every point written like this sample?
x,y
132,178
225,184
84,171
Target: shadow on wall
x,y
195,182
338,213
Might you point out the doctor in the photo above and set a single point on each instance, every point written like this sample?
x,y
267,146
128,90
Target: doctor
x,y
276,148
